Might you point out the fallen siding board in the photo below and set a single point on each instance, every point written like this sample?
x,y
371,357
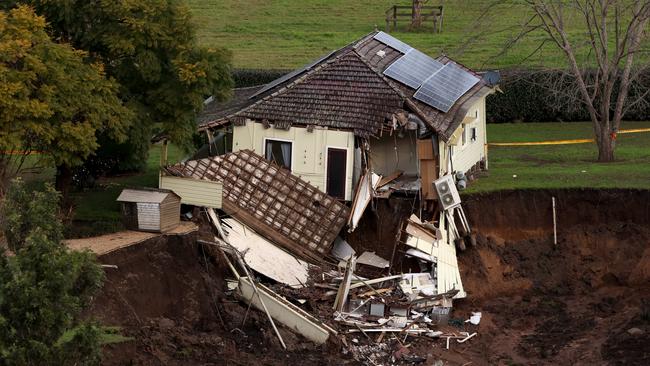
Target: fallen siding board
x,y
285,312
266,258
195,192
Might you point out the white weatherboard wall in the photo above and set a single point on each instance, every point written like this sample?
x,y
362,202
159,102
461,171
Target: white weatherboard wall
x,y
466,156
194,191
308,153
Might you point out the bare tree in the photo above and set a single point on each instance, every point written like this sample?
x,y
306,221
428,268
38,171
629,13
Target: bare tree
x,y
603,62
416,15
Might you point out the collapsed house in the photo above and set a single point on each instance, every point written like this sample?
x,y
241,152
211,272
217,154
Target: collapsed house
x,y
300,158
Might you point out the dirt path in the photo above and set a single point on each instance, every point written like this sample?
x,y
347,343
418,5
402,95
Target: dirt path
x,y
110,242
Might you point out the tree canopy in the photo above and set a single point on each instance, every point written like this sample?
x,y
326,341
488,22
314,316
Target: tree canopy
x,y
150,48
51,100
43,289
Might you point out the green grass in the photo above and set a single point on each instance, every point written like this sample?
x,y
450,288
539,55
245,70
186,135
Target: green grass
x,y
96,210
109,335
287,34
563,166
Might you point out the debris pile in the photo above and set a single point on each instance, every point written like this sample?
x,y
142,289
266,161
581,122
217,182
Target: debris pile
x,y
278,235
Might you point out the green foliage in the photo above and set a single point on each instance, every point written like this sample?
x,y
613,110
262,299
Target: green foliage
x,y
251,77
149,48
50,100
23,211
531,96
43,289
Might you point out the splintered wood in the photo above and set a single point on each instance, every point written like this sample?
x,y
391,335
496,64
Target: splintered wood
x,y
277,204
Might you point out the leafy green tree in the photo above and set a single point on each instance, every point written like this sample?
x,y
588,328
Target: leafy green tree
x,y
43,289
150,48
51,100
24,211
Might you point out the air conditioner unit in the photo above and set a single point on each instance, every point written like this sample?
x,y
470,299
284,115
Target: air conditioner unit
x,y
447,192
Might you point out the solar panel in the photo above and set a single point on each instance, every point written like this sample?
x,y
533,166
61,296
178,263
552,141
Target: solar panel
x,y
413,68
444,88
393,42
289,76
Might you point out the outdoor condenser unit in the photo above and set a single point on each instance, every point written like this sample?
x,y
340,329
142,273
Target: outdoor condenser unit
x,y
447,192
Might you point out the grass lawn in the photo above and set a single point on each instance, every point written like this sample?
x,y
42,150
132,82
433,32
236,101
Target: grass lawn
x,y
96,210
286,34
562,166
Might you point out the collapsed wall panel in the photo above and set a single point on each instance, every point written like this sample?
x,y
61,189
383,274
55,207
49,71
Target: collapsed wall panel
x,y
272,201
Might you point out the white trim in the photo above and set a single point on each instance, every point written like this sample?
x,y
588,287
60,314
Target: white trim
x,y
281,140
347,152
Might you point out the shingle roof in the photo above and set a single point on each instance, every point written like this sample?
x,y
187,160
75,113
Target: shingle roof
x,y
346,90
272,201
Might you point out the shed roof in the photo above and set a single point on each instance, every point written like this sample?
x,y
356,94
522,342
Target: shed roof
x,y
144,195
345,90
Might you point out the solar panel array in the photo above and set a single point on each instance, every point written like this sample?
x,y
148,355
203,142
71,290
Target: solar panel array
x,y
393,42
443,88
413,68
289,76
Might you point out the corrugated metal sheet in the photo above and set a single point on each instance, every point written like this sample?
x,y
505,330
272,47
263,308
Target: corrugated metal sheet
x,y
195,192
138,195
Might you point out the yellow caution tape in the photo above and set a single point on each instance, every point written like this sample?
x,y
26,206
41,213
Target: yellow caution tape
x,y
562,142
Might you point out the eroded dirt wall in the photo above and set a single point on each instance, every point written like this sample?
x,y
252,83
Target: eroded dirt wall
x,y
522,214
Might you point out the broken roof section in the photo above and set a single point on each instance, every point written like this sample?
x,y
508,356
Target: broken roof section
x,y
346,90
275,203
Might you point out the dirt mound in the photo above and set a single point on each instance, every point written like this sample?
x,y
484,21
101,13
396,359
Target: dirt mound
x,y
170,299
567,304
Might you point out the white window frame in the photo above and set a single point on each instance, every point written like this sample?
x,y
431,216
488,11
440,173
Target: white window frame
x,y
281,140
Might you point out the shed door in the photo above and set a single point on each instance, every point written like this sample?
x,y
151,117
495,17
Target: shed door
x,y
148,216
336,160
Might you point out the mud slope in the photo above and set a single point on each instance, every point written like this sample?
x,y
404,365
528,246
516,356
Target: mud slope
x,y
162,295
569,304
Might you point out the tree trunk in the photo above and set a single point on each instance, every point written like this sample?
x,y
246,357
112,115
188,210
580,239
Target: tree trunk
x,y
63,183
416,17
606,143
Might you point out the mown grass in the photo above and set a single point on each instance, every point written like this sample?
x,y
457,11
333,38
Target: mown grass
x,y
286,34
563,166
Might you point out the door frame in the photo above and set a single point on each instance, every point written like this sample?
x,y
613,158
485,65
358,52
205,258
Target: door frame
x,y
325,175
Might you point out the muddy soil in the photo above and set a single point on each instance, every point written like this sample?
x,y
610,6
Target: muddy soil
x,y
171,300
566,304
542,304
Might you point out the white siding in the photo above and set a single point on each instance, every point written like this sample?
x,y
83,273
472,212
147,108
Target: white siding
x,y
148,216
195,192
309,149
466,156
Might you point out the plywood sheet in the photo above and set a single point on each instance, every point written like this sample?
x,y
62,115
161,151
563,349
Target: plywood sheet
x,y
265,257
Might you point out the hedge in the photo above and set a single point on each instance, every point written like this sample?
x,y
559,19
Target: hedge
x,y
527,96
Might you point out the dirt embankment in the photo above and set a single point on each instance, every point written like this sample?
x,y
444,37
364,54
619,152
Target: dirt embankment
x,y
570,304
170,298
542,304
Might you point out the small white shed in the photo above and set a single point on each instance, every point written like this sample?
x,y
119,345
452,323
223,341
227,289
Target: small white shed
x,y
156,210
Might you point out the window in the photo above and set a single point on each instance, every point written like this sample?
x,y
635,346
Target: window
x,y
464,136
279,152
473,134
